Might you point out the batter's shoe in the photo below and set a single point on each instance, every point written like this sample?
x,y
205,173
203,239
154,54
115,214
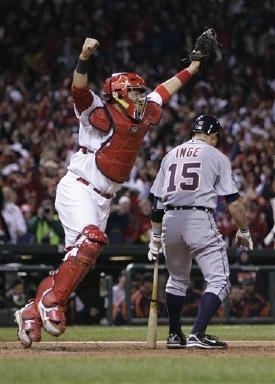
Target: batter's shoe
x,y
200,340
176,340
29,324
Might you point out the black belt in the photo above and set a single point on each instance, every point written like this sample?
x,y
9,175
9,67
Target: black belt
x,y
85,150
187,208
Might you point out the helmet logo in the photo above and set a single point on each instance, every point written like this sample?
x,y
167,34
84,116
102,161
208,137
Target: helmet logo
x,y
122,82
134,129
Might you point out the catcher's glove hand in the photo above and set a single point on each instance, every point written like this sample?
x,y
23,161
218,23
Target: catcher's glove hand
x,y
206,50
243,239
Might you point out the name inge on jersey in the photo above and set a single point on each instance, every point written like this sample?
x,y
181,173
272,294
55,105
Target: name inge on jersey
x,y
187,152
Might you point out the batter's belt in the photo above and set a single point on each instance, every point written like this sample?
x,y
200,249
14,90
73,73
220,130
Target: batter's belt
x,y
187,208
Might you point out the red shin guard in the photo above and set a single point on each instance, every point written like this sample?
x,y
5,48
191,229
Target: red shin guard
x,y
54,291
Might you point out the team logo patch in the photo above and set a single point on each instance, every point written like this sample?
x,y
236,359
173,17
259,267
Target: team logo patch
x,y
199,125
134,129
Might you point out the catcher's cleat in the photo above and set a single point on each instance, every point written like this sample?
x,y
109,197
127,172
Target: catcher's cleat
x,y
176,341
29,324
52,314
200,340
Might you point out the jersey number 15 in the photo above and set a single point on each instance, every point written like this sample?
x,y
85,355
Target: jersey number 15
x,y
189,179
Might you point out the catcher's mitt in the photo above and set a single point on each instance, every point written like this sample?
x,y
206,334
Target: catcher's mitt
x,y
206,49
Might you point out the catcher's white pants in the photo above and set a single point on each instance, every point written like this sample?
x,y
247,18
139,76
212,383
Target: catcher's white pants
x,y
79,205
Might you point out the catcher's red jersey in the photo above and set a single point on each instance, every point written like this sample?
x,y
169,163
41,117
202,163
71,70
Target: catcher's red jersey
x,y
117,155
111,138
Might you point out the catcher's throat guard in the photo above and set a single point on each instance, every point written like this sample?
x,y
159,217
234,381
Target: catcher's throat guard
x,y
127,89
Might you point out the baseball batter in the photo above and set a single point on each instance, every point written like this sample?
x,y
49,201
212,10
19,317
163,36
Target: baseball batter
x,y
111,131
190,178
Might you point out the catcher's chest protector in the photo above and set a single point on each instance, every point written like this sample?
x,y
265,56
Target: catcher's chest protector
x,y
117,155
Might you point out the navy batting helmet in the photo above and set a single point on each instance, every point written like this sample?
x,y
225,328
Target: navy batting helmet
x,y
206,124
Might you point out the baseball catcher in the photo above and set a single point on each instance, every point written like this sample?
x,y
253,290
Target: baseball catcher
x,y
111,131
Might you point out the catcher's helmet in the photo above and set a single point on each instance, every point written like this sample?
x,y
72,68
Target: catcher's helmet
x,y
206,124
117,88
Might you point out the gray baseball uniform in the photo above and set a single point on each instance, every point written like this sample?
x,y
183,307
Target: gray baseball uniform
x,y
193,175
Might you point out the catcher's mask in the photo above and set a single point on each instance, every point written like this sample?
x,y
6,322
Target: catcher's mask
x,y
207,124
128,90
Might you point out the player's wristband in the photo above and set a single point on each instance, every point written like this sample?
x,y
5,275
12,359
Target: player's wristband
x,y
157,215
183,76
82,66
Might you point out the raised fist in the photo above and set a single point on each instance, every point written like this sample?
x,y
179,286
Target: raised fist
x,y
88,48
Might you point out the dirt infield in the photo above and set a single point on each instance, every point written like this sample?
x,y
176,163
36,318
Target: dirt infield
x,y
102,349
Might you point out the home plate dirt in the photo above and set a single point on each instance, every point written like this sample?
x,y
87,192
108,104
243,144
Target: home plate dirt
x,y
102,349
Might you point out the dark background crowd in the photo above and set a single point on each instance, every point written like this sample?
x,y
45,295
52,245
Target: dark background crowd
x,y
39,44
40,41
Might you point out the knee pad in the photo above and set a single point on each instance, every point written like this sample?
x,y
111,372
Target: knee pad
x,y
90,244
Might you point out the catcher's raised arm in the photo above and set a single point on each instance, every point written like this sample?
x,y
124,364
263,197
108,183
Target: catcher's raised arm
x,y
205,54
80,77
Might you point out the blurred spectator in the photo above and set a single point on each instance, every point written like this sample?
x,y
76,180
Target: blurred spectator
x,y
38,128
136,281
119,292
28,215
122,226
4,230
144,219
227,227
46,226
16,295
254,304
237,275
75,309
235,301
13,224
141,299
245,301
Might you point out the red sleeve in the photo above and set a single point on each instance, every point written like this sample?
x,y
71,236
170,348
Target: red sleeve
x,y
82,97
164,94
184,76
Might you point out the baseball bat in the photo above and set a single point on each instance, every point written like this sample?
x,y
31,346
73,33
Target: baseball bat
x,y
153,315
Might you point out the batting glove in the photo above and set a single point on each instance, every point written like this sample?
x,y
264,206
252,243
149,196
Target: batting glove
x,y
154,247
243,239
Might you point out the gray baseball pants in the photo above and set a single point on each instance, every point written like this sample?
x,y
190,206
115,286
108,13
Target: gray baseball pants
x,y
193,234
